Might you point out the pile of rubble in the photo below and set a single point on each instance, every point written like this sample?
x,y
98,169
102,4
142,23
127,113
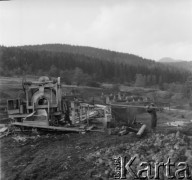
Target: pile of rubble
x,y
156,148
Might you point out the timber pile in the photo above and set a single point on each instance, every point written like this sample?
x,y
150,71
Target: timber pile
x,y
156,148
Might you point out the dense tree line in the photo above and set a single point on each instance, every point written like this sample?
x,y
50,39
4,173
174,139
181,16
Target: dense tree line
x,y
102,54
83,69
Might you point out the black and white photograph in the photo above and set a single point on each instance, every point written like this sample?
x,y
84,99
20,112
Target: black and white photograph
x,y
95,89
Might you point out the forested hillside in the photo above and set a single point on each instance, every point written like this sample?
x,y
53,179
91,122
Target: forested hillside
x,y
102,54
86,67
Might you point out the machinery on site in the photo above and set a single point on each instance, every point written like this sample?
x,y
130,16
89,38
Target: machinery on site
x,y
41,102
42,105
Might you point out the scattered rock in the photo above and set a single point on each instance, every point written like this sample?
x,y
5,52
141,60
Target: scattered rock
x,y
20,138
177,134
156,148
107,172
100,161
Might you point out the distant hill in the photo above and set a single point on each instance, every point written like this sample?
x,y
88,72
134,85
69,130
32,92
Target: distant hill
x,y
180,64
81,64
169,60
187,65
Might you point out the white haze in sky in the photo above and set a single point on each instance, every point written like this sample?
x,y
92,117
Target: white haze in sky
x,y
148,28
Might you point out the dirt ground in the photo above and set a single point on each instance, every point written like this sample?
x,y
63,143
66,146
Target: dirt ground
x,y
53,156
65,156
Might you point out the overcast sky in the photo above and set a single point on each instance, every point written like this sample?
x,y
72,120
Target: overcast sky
x,y
148,28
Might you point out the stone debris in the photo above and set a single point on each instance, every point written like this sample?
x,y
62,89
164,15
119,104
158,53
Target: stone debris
x,y
124,130
20,138
23,138
156,148
177,123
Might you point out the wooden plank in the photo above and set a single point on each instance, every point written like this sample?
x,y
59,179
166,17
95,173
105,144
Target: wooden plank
x,y
37,123
132,106
96,130
17,115
48,127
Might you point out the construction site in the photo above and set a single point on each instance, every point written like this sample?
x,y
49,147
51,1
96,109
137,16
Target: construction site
x,y
95,90
53,131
